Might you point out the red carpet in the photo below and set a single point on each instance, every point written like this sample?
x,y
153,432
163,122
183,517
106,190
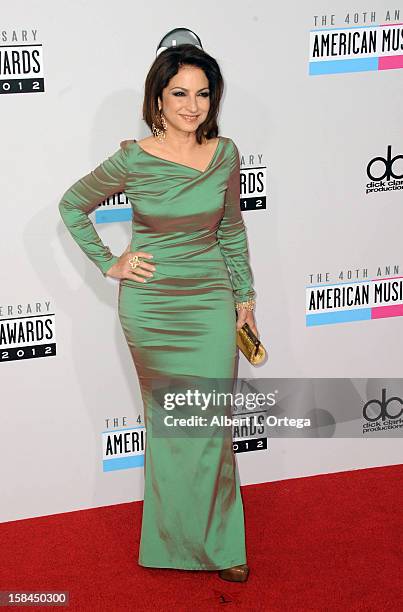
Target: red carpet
x,y
321,543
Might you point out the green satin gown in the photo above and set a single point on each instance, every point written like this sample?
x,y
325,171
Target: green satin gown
x,y
181,322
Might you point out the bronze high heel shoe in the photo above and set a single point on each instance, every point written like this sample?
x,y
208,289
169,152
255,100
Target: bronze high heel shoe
x,y
238,573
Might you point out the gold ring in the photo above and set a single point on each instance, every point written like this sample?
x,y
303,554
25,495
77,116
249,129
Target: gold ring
x,y
134,261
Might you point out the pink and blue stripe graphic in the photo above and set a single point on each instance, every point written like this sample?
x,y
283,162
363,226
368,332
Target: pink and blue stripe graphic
x,y
379,59
347,314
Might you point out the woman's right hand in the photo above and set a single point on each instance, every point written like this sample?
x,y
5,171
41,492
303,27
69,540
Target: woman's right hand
x,y
123,270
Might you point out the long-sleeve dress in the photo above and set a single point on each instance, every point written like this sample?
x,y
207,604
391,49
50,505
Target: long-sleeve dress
x,y
179,325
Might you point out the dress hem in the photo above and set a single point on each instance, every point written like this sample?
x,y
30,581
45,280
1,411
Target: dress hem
x,y
198,567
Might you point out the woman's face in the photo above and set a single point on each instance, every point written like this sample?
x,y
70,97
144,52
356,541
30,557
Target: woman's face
x,y
186,99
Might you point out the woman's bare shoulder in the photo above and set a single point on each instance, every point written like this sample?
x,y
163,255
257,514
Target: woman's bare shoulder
x,y
148,144
147,140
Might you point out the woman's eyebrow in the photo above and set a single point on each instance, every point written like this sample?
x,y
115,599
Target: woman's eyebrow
x,y
178,87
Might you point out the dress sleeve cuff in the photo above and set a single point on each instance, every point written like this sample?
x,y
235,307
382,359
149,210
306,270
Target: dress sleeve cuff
x,y
244,296
104,266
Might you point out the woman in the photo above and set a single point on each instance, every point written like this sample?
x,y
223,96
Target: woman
x,y
185,286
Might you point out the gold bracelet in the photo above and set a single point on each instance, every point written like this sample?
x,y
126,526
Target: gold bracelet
x,y
249,304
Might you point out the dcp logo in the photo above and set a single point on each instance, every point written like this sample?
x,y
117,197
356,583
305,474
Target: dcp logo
x,y
380,409
388,164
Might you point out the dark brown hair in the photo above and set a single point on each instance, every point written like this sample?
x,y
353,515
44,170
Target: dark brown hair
x,y
165,66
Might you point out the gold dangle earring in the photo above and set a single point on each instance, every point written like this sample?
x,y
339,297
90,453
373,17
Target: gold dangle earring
x,y
158,133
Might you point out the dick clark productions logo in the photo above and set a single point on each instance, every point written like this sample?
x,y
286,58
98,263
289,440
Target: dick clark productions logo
x,y
388,165
375,409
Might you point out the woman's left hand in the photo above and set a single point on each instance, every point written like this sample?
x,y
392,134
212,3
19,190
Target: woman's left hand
x,y
246,316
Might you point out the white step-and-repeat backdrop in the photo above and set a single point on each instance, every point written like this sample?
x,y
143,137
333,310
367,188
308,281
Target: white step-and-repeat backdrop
x,y
313,100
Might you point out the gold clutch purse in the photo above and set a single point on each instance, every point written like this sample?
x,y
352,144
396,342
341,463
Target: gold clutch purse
x,y
250,345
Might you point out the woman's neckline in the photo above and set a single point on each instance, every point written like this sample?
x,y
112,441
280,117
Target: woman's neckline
x,y
168,161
